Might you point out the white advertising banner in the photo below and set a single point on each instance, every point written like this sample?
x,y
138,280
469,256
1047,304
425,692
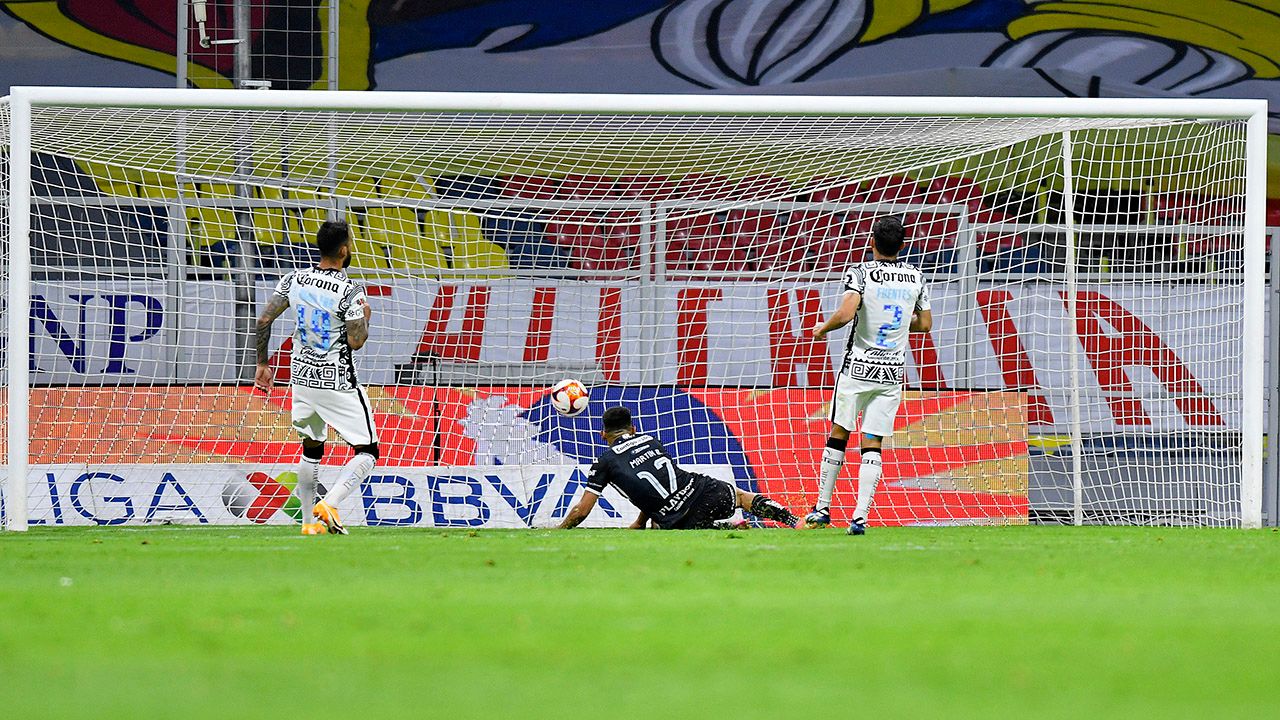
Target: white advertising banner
x,y
468,497
123,331
1152,357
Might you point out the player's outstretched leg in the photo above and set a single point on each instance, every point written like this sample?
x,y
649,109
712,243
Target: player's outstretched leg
x,y
765,507
308,471
829,470
356,470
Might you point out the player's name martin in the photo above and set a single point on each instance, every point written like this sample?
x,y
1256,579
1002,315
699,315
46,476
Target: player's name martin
x,y
644,457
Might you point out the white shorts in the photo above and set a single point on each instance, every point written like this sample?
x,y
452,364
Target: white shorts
x,y
346,411
876,403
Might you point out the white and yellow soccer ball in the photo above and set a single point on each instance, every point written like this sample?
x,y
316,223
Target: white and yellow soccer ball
x,y
569,397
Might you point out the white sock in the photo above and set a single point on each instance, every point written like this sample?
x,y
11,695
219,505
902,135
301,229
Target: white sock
x,y
868,477
832,461
308,471
356,470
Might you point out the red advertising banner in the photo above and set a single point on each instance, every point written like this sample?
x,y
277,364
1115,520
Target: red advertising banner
x,y
1159,357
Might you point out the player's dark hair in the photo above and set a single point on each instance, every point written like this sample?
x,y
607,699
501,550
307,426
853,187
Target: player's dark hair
x,y
888,235
331,236
617,419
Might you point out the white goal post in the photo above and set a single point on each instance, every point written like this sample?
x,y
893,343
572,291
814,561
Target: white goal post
x,y
1098,263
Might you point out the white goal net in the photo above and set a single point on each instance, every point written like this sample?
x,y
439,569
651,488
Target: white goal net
x,y
1094,268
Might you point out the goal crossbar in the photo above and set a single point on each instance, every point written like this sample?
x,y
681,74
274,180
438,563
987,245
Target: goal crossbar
x,y
587,103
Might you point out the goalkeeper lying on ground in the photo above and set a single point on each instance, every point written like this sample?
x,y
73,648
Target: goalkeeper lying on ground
x,y
673,498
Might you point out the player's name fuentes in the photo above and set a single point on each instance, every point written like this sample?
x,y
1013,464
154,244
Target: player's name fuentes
x,y
883,275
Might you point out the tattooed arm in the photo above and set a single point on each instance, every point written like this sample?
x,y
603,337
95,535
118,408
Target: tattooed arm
x,y
358,329
262,337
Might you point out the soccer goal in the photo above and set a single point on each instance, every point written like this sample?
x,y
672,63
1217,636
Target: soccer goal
x,y
1096,268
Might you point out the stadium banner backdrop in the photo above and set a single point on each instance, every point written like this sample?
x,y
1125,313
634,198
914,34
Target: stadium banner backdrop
x,y
1010,48
496,456
1151,354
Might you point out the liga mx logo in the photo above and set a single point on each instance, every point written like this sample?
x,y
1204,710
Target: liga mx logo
x,y
260,497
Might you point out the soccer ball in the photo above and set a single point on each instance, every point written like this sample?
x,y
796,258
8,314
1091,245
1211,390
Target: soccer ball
x,y
569,398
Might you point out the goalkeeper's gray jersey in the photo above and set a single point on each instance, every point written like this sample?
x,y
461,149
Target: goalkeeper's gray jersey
x,y
891,292
323,301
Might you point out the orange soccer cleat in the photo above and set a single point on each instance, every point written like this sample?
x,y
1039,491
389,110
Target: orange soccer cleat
x,y
327,514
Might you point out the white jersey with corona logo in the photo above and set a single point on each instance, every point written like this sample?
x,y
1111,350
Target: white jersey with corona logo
x,y
323,301
877,347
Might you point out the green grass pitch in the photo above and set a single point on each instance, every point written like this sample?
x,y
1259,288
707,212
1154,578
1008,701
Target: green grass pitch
x,y
240,622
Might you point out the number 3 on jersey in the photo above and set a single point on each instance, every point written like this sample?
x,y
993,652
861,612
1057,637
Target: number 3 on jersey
x,y
882,337
317,334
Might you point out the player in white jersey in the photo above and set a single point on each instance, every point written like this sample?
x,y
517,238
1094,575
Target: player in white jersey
x,y
885,299
332,322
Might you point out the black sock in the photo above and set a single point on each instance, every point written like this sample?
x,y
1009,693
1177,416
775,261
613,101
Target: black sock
x,y
770,509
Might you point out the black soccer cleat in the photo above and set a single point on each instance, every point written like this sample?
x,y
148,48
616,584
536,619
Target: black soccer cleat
x,y
857,526
771,509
